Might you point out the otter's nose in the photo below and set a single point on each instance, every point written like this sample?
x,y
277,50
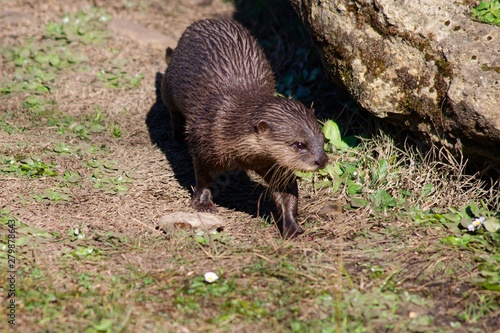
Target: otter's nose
x,y
321,161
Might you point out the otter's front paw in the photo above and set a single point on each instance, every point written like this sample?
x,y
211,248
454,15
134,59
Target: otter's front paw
x,y
289,228
202,201
291,232
204,206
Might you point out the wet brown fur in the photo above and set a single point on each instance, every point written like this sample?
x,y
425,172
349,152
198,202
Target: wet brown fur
x,y
220,92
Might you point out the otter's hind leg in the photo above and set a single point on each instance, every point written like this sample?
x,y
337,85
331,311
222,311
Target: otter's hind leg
x,y
177,120
178,124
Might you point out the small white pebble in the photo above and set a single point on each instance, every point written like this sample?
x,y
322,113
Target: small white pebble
x,y
211,277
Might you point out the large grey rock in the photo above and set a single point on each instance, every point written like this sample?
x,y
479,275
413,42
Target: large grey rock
x,y
422,63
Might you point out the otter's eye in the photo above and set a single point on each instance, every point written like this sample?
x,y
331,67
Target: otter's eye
x,y
299,145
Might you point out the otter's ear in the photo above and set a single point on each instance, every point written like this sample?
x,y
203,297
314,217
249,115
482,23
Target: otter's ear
x,y
261,127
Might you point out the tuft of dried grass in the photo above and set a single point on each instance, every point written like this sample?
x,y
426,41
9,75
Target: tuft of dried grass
x,y
437,178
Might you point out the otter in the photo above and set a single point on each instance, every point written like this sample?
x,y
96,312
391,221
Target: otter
x,y
220,91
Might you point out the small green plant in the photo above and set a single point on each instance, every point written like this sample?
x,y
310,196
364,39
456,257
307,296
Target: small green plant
x,y
480,232
471,218
35,104
330,175
76,234
62,148
107,176
43,112
198,286
482,305
382,200
52,195
487,12
334,140
54,119
71,177
116,131
119,78
26,167
490,270
36,64
6,216
363,179
24,233
86,27
92,124
81,252
9,127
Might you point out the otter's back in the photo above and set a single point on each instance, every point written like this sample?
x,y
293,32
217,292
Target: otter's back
x,y
216,58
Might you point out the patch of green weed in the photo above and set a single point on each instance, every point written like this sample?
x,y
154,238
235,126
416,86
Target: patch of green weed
x,y
9,127
107,176
26,167
82,251
52,195
38,293
40,112
486,247
376,175
117,77
62,148
71,177
487,12
198,293
116,131
83,148
481,306
489,271
473,228
37,62
23,234
92,124
87,27
83,127
471,217
377,307
37,105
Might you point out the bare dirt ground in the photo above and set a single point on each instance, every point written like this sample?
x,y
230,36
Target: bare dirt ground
x,y
146,201
352,271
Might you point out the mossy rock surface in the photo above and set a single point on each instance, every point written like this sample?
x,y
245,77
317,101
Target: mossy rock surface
x,y
426,65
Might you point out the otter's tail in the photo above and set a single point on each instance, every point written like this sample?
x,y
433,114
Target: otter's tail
x,y
168,55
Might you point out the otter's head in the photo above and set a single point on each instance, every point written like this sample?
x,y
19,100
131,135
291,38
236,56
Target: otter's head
x,y
291,135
